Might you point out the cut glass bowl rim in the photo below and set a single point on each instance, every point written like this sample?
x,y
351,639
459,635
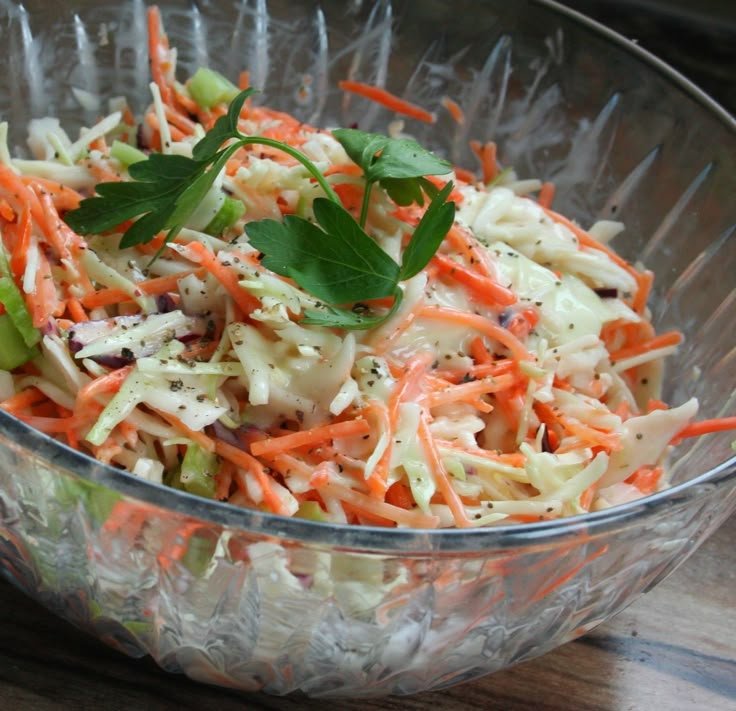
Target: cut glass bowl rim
x,y
401,541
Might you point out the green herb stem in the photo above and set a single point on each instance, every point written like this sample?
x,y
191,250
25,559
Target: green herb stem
x,y
366,203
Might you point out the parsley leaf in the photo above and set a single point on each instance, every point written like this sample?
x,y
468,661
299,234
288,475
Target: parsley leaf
x,y
428,234
398,165
166,189
357,318
336,262
225,127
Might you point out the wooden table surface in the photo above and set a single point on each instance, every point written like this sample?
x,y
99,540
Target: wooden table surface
x,y
675,648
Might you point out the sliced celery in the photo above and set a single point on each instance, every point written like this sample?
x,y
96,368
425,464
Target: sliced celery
x,y
198,471
200,549
209,88
228,214
126,154
311,511
13,349
15,305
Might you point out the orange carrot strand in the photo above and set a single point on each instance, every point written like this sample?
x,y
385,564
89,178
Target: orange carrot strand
x,y
387,99
348,428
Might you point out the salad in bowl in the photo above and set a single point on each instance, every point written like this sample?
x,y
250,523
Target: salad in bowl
x,y
287,367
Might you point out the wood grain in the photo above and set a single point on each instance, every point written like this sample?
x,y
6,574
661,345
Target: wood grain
x,y
672,649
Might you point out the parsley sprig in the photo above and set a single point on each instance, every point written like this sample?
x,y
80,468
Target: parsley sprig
x,y
333,258
398,165
166,189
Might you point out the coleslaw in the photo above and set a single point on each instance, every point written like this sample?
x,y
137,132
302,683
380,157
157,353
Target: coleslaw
x,y
517,380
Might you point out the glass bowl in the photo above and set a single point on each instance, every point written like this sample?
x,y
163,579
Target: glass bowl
x,y
259,602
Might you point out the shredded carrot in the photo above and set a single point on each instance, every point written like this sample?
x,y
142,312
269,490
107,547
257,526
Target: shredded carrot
x,y
180,121
586,240
465,175
645,281
489,369
158,51
129,432
19,252
245,461
464,242
482,288
697,429
50,425
71,435
107,451
64,240
454,109
17,194
372,507
486,153
377,480
223,480
512,459
227,276
149,287
43,302
387,99
152,120
63,197
546,195
609,440
586,498
441,477
482,324
6,211
458,393
126,518
562,579
198,437
22,400
364,517
76,310
188,105
646,479
316,435
399,494
523,322
664,340
105,384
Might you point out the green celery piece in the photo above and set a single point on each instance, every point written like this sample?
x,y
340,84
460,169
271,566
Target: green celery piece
x,y
230,212
199,552
311,511
209,88
126,154
14,352
97,500
198,469
15,306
